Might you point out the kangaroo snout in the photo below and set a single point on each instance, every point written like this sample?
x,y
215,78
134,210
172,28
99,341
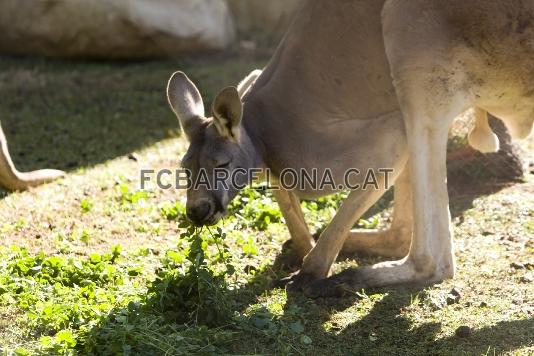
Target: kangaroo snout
x,y
201,212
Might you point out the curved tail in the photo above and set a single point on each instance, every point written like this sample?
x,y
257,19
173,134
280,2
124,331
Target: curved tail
x,y
12,179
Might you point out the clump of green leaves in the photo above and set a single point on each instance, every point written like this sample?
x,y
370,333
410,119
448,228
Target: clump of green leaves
x,y
129,197
256,208
86,205
196,293
174,212
94,304
60,296
328,202
189,296
140,330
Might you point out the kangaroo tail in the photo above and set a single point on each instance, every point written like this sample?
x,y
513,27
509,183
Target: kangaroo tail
x,y
12,179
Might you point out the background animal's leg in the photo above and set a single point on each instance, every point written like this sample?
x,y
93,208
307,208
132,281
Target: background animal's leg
x,y
394,242
12,179
300,235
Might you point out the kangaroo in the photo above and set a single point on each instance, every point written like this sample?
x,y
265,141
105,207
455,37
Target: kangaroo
x,y
12,179
367,84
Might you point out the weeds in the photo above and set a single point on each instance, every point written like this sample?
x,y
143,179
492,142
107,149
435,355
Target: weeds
x,y
196,293
95,304
255,208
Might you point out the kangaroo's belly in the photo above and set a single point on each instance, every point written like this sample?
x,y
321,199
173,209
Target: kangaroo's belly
x,y
343,155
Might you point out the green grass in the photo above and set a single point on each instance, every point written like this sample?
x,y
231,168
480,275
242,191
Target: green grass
x,y
92,265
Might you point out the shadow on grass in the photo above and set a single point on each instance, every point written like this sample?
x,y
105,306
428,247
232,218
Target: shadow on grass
x,y
141,329
383,330
66,115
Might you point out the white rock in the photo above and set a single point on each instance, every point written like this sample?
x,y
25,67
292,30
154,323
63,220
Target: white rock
x,y
114,28
271,16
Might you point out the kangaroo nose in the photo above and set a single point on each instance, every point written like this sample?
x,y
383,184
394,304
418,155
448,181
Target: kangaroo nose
x,y
199,213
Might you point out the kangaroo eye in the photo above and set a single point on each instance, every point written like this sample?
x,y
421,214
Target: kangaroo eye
x,y
223,165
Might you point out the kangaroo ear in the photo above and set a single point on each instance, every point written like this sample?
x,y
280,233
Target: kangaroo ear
x,y
227,113
186,102
246,84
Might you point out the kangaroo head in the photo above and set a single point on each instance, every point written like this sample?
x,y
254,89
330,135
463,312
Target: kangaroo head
x,y
219,147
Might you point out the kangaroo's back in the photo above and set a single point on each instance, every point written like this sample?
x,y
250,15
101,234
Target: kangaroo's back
x,y
334,53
